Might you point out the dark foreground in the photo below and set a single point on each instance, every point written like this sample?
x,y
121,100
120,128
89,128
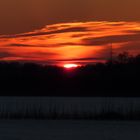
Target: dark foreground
x,y
118,77
69,108
69,130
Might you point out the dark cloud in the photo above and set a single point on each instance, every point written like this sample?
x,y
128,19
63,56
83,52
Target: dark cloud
x,y
37,55
28,55
72,29
20,45
40,45
83,59
5,55
117,24
133,31
110,39
44,54
80,35
130,46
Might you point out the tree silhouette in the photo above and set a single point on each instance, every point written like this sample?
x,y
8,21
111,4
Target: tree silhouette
x,y
120,77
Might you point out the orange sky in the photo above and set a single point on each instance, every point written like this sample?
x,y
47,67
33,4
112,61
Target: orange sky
x,y
17,16
80,42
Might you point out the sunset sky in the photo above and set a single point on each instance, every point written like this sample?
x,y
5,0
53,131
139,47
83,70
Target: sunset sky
x,y
65,31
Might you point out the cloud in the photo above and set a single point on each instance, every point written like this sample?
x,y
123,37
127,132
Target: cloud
x,y
79,41
131,47
39,33
20,45
110,39
82,59
5,54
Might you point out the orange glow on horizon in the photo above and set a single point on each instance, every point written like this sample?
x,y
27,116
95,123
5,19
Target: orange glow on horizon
x,y
69,66
72,43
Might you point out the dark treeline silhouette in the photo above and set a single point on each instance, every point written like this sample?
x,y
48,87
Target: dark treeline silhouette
x,y
117,77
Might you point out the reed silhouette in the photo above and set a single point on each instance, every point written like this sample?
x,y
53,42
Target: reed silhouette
x,y
32,111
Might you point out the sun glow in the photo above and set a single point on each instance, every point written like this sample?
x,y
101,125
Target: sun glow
x,y
71,43
69,66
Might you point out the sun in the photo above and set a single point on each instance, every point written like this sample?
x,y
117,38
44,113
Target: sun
x,y
69,66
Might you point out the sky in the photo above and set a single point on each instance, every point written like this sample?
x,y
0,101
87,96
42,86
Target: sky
x,y
65,31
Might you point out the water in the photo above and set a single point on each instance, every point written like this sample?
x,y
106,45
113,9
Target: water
x,y
69,130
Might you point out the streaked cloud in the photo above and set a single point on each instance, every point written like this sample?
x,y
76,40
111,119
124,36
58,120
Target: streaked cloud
x,y
76,41
110,39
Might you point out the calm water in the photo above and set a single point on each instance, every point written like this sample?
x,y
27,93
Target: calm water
x,y
69,130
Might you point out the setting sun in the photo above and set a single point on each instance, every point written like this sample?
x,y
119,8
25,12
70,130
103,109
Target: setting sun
x,y
68,66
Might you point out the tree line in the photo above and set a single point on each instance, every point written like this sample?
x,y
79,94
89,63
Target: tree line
x,y
119,76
